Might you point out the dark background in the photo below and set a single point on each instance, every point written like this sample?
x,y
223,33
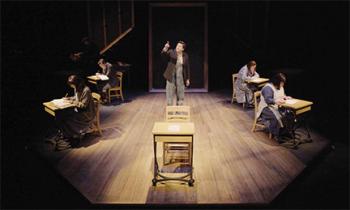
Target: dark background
x,y
309,41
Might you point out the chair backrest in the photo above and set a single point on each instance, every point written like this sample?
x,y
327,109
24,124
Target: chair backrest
x,y
119,75
96,96
234,78
257,95
177,114
97,100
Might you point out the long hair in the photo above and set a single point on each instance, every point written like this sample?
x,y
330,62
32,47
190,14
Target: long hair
x,y
277,79
77,81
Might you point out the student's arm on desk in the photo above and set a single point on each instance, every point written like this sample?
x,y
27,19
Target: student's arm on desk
x,y
256,76
69,98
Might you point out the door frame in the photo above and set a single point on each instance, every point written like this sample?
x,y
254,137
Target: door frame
x,y
150,42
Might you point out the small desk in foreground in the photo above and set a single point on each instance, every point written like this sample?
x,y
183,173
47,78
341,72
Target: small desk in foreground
x,y
173,132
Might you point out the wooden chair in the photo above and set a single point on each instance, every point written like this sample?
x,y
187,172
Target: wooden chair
x,y
256,122
96,123
234,78
117,91
177,151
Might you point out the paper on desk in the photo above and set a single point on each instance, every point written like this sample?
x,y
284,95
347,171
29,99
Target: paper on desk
x,y
60,103
291,101
174,128
102,77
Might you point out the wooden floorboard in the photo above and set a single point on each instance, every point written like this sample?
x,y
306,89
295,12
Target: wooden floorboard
x,y
232,165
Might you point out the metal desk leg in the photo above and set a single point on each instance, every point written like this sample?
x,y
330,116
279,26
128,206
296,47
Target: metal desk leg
x,y
155,167
191,181
306,125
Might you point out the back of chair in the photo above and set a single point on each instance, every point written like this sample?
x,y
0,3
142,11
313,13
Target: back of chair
x,y
120,78
177,114
257,95
97,100
234,78
96,96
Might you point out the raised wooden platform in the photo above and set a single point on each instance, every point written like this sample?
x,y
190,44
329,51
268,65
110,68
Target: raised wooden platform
x,y
232,165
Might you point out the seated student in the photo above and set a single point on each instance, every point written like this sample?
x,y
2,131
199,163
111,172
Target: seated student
x,y
245,91
272,96
108,70
74,123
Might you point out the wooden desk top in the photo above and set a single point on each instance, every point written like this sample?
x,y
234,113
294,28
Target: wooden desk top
x,y
93,77
298,105
258,80
173,128
52,106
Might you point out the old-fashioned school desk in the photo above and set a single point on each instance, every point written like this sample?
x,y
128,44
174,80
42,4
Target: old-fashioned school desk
x,y
299,108
94,79
52,109
258,82
297,105
173,132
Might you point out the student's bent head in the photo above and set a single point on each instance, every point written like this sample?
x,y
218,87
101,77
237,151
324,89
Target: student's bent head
x,y
251,66
278,80
102,63
76,82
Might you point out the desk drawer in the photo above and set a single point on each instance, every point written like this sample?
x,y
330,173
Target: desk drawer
x,y
305,109
51,112
173,138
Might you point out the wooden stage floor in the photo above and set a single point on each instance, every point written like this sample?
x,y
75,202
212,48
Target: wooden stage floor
x,y
232,165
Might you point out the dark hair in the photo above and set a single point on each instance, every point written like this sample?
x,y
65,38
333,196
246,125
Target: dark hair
x,y
101,60
277,79
251,63
84,39
183,44
77,81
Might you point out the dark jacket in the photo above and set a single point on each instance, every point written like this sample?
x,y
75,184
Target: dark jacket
x,y
73,123
171,55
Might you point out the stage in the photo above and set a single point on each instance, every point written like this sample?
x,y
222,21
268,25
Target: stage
x,y
232,165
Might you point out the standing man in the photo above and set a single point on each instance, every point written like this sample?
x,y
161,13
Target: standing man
x,y
177,73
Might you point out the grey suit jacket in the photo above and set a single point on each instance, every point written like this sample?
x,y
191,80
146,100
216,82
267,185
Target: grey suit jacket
x,y
171,55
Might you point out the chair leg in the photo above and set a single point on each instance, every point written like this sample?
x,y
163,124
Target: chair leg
x,y
254,125
233,98
98,128
270,135
121,94
109,96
